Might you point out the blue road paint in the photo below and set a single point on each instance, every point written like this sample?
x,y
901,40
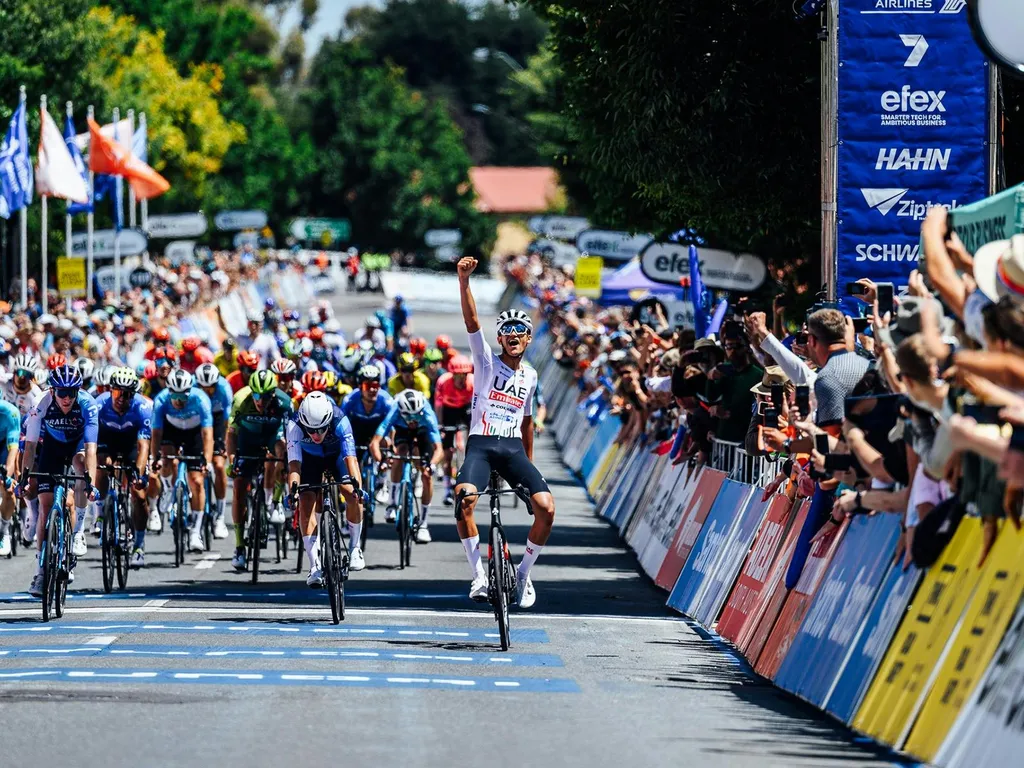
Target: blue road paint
x,y
297,596
290,677
364,631
327,654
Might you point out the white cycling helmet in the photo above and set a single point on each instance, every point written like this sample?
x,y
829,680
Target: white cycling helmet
x,y
104,374
306,345
350,360
369,373
25,362
42,377
283,366
411,402
180,381
207,375
124,378
515,316
86,367
316,411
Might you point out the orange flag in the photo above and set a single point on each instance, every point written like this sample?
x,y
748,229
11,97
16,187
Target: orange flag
x,y
115,159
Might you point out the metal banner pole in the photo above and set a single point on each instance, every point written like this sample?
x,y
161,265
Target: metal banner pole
x,y
89,229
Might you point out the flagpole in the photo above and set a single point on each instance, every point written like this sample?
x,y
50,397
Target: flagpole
x,y
23,221
131,190
67,216
144,205
44,226
117,230
89,223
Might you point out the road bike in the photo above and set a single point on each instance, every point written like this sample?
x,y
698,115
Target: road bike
x,y
257,515
14,531
368,471
501,589
181,506
459,449
117,531
407,517
334,560
55,550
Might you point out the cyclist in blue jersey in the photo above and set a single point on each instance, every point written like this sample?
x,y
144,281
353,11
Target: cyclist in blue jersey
x,y
366,409
68,418
400,318
125,430
10,427
416,428
220,393
388,327
183,418
320,440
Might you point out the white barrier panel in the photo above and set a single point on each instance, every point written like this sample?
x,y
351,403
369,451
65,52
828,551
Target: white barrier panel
x,y
643,493
660,500
623,479
665,522
433,292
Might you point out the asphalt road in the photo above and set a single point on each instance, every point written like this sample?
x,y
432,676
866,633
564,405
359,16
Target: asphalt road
x,y
195,665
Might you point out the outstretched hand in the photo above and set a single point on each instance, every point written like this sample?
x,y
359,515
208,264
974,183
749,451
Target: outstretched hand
x,y
466,266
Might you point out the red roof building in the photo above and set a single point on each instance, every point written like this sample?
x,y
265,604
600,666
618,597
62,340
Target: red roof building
x,y
514,190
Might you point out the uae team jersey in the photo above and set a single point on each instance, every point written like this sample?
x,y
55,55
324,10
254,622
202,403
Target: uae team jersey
x,y
501,397
24,401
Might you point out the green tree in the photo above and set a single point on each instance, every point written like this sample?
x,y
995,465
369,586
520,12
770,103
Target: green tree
x,y
388,158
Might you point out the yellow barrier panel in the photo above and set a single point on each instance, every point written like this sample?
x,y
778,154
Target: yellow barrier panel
x,y
899,684
988,615
603,469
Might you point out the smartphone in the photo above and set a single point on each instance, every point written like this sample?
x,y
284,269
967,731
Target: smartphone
x,y
803,400
860,324
778,395
838,462
885,295
801,339
770,418
854,289
821,444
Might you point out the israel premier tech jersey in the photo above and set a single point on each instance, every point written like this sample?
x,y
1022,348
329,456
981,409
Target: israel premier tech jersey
x,y
337,441
196,413
80,425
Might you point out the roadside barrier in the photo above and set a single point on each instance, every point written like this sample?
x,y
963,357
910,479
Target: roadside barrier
x,y
931,663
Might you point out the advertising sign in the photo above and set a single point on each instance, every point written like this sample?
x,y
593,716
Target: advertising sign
x,y
176,225
435,238
132,242
912,129
231,221
587,279
670,262
690,524
618,246
70,276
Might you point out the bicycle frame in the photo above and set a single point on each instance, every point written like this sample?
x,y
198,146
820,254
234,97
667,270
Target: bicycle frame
x,y
55,578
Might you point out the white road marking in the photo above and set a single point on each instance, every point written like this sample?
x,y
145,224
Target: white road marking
x,y
506,684
57,651
101,640
231,675
208,561
90,673
156,604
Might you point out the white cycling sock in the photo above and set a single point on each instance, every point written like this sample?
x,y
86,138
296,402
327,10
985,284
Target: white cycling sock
x,y
220,508
355,530
309,542
198,518
80,513
529,558
395,487
268,494
423,515
472,547
5,526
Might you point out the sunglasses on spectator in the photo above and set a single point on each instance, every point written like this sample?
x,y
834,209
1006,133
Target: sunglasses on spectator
x,y
518,329
65,393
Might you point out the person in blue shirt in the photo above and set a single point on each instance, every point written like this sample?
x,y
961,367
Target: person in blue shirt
x,y
400,318
68,419
320,441
216,387
10,426
366,409
388,327
415,427
125,431
183,418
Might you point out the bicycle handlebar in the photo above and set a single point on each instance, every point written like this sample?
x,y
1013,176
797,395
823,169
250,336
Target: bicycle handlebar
x,y
60,476
267,458
519,491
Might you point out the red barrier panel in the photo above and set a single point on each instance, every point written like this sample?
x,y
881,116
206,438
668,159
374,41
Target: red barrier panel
x,y
756,568
689,526
797,603
773,595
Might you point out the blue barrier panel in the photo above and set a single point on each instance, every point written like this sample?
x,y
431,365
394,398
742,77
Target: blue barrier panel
x,y
837,612
710,601
730,503
872,642
634,493
606,432
623,482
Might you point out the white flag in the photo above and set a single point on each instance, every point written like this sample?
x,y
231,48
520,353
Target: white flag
x,y
56,174
110,130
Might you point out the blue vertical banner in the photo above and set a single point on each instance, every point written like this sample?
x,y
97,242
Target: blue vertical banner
x,y
912,129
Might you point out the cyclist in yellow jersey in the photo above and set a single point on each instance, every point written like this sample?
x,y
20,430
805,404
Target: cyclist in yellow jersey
x,y
409,376
226,360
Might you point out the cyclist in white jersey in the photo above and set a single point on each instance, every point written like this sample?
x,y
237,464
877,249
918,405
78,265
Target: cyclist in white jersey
x,y
501,436
20,387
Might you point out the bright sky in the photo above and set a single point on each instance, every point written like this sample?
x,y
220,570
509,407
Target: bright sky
x,y
329,20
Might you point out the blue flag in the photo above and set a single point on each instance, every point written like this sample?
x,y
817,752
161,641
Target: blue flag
x,y
139,144
118,193
69,139
16,180
698,295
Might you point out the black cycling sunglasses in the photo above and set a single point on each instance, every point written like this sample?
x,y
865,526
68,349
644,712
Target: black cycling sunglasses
x,y
66,392
319,430
24,373
520,329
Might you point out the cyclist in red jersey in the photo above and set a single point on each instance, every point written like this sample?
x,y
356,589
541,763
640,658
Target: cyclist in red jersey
x,y
453,398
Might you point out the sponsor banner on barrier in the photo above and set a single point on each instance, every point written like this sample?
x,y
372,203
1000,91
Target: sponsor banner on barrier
x,y
633,497
899,685
729,504
756,568
990,731
798,601
690,523
975,643
670,477
663,526
608,461
646,495
709,601
603,438
816,657
624,482
847,692
772,596
621,470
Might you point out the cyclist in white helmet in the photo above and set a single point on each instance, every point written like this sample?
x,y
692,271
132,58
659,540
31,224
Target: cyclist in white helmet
x,y
501,435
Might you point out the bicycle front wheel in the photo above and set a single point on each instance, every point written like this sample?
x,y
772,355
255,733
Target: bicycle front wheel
x,y
63,552
332,566
181,514
498,565
256,530
50,563
404,524
125,537
109,542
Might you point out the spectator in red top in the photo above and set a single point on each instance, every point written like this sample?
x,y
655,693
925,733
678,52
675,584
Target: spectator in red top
x,y
248,362
193,354
453,397
161,337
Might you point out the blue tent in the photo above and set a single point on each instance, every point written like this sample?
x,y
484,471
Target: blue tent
x,y
628,284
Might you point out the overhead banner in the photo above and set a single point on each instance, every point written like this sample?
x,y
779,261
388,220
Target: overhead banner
x,y
912,129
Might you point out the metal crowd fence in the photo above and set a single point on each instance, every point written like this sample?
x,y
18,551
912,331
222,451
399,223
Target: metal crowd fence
x,y
741,466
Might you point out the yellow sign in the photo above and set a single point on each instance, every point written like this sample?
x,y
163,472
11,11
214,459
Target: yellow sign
x,y
899,687
71,276
985,622
588,276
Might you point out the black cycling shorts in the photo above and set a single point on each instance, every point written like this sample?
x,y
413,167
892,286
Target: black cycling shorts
x,y
220,430
118,445
189,440
453,417
54,457
418,443
506,456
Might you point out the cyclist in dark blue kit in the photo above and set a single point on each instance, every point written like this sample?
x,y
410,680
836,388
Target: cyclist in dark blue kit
x,y
68,418
367,408
125,431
